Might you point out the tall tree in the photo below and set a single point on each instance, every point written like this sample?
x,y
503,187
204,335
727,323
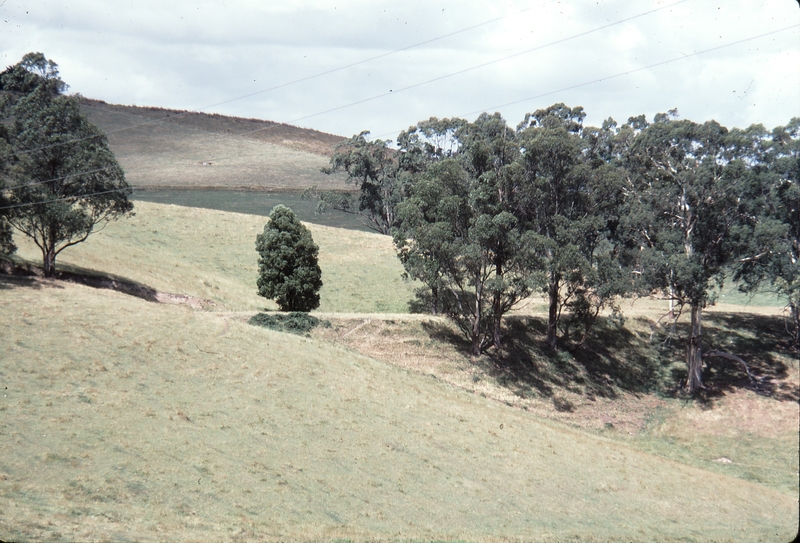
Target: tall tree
x,y
569,203
771,200
6,231
686,205
456,231
63,179
288,267
373,168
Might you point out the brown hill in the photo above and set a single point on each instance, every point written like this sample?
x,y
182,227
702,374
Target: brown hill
x,y
293,137
164,148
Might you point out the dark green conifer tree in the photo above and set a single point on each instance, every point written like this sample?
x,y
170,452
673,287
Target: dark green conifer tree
x,y
288,268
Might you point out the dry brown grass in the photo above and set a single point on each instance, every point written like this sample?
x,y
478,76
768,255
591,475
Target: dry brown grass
x,y
127,420
172,152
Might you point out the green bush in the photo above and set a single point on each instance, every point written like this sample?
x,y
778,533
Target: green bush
x,y
295,322
288,268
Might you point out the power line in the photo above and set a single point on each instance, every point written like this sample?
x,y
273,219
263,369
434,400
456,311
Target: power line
x,y
62,178
578,85
676,59
289,83
527,51
27,204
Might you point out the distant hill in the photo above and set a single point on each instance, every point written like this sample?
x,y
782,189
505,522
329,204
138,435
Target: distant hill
x,y
164,148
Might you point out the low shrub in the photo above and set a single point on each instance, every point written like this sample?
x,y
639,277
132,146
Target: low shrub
x,y
295,322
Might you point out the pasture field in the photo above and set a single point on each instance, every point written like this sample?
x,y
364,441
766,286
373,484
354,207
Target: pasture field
x,y
252,203
204,151
124,419
211,255
127,420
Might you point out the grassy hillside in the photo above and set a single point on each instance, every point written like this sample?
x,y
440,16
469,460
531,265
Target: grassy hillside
x,y
127,420
160,148
211,255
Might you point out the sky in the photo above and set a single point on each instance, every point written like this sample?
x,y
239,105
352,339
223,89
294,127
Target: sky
x,y
352,65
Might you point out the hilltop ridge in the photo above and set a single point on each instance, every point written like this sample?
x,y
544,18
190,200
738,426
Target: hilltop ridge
x,y
165,148
286,135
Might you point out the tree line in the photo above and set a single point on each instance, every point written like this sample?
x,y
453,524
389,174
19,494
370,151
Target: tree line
x,y
485,215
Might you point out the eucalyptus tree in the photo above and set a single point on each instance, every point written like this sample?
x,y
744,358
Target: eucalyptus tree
x,y
686,216
62,178
373,168
770,255
457,232
568,200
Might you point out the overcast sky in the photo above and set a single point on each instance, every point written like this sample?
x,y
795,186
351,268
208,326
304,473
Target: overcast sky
x,y
192,55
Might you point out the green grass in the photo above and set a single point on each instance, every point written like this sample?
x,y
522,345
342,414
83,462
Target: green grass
x,y
252,203
211,254
128,420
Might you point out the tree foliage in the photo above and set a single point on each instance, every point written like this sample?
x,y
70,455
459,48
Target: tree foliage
x,y
456,231
372,167
569,201
62,178
288,268
771,199
684,210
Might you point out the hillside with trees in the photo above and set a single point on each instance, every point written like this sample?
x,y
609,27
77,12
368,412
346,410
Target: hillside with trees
x,y
533,343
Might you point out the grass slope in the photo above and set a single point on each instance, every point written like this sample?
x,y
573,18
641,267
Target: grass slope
x,y
126,420
211,255
159,150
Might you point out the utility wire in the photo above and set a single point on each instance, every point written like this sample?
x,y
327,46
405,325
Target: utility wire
x,y
527,51
606,78
289,83
717,48
62,178
27,204
538,95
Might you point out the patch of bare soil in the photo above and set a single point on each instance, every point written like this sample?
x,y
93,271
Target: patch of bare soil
x,y
293,137
126,287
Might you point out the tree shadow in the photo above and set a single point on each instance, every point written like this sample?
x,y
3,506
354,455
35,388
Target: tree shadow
x,y
756,339
637,358
16,274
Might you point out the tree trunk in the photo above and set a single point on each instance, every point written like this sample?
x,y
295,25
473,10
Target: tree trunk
x,y
434,300
496,313
796,317
49,261
476,321
694,356
552,317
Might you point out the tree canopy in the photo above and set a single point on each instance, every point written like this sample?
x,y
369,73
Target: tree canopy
x,y
62,179
288,268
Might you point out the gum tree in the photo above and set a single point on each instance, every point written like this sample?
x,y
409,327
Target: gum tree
x,y
686,206
770,257
456,230
568,201
62,179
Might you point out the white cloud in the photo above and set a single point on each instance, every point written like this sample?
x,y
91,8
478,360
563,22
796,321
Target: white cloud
x,y
188,55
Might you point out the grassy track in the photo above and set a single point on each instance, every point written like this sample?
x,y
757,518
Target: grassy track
x,y
126,420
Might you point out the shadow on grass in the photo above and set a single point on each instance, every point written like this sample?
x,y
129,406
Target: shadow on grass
x,y
15,274
759,340
616,358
